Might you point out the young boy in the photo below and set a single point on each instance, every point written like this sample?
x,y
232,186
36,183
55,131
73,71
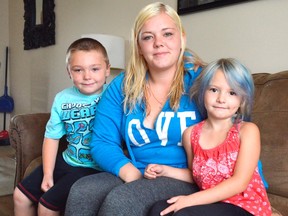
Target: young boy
x,y
72,114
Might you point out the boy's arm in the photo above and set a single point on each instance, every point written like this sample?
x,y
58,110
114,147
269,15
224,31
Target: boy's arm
x,y
49,153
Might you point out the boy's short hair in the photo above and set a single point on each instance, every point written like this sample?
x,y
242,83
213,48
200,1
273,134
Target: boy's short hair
x,y
86,44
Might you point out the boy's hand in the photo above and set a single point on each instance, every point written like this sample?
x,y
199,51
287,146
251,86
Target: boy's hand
x,y
47,183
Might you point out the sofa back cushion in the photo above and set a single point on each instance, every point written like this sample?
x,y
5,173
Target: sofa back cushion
x,y
270,113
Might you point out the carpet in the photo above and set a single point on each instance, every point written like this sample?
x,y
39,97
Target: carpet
x,y
7,170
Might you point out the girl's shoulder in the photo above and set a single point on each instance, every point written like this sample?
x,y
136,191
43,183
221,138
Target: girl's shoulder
x,y
248,128
244,125
196,126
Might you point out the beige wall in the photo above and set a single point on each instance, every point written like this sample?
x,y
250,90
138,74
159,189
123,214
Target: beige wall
x,y
255,32
4,42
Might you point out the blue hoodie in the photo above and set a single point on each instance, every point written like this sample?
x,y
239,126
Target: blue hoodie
x,y
161,145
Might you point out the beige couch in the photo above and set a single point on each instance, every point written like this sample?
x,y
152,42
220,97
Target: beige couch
x,y
270,114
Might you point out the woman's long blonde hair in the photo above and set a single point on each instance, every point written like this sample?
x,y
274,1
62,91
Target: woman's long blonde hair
x,y
135,77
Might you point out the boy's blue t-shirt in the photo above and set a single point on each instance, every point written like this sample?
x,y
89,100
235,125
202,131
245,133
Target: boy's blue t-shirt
x,y
72,114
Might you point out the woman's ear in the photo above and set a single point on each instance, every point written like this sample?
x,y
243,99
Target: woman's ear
x,y
183,38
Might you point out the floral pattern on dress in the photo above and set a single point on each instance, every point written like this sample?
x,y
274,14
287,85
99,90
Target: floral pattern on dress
x,y
212,166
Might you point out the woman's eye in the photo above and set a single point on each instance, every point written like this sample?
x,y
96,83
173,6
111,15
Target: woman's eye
x,y
148,37
167,34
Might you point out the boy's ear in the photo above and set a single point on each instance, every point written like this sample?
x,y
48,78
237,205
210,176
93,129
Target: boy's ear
x,y
68,72
108,70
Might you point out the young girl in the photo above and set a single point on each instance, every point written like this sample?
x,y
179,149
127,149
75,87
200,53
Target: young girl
x,y
222,151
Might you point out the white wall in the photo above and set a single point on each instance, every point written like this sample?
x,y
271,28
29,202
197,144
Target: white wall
x,y
255,32
4,42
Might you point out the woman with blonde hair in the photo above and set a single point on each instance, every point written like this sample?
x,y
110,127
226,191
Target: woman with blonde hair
x,y
147,108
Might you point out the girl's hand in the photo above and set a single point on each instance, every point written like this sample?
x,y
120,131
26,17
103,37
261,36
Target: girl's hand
x,y
177,203
47,183
153,171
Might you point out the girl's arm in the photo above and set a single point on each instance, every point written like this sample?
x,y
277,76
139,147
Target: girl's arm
x,y
153,171
245,166
186,140
49,153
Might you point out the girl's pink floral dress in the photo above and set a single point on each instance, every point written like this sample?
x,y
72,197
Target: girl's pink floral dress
x,y
212,166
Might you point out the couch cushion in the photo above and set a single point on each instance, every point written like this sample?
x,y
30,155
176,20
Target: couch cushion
x,y
270,113
34,164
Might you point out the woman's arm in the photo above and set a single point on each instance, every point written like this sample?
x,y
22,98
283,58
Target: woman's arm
x,y
129,173
108,133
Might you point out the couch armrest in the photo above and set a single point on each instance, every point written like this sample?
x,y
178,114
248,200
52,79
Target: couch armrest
x,y
26,132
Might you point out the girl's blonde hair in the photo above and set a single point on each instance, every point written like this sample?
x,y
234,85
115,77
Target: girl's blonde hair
x,y
135,77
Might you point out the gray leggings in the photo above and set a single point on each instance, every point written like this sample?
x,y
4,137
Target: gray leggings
x,y
104,194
